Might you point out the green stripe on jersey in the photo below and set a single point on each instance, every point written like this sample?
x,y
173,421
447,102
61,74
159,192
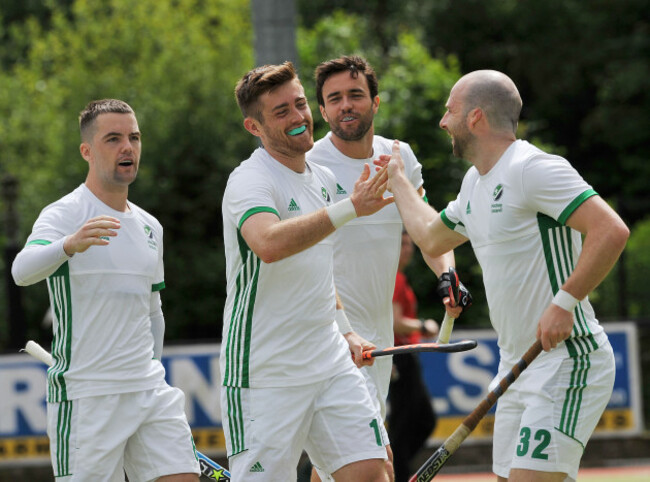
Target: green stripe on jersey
x,y
63,428
560,263
157,287
239,332
59,286
573,205
42,242
575,391
250,212
235,420
449,223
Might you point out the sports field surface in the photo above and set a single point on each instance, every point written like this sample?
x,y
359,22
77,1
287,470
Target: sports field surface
x,y
611,474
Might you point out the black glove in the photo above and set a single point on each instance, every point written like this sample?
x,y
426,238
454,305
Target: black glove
x,y
447,285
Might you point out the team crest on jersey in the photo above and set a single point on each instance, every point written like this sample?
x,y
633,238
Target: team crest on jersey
x,y
498,192
326,195
150,238
496,195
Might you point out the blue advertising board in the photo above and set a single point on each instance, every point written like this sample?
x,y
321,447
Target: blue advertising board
x,y
457,382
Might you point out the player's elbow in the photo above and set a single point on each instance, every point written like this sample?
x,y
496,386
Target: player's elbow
x,y
430,246
268,254
19,277
619,234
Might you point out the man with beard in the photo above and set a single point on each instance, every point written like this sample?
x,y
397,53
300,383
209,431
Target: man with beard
x,y
288,379
367,249
525,212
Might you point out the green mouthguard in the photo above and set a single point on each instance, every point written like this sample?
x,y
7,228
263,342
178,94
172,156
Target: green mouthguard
x,y
297,130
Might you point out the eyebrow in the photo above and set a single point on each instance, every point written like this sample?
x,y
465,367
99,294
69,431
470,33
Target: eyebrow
x,y
281,106
354,90
119,134
286,104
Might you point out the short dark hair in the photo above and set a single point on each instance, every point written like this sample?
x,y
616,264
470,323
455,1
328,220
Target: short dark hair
x,y
259,81
350,63
97,107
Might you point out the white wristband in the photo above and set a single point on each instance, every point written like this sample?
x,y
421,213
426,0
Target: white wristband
x,y
341,212
343,322
565,301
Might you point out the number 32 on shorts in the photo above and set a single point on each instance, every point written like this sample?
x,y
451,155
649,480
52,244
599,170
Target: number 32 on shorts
x,y
540,441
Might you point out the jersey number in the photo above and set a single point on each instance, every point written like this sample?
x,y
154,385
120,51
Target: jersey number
x,y
542,436
375,426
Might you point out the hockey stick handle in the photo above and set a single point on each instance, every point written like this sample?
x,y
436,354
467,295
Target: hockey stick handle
x,y
448,322
445,329
209,467
455,347
38,352
431,467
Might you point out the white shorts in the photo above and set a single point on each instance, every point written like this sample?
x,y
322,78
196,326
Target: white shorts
x,y
544,420
378,379
266,429
97,438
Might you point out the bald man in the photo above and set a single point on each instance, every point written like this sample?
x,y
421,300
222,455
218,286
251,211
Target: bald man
x,y
525,212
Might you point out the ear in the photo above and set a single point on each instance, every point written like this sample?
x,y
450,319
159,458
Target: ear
x,y
375,104
474,116
252,126
323,113
84,148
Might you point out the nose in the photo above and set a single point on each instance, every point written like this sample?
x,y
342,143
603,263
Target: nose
x,y
443,122
298,115
346,104
127,145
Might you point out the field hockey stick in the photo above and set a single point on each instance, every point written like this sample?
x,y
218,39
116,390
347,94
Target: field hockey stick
x,y
448,321
455,347
209,467
431,467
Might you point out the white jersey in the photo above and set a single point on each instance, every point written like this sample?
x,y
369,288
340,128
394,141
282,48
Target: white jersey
x,y
515,217
366,252
279,327
101,301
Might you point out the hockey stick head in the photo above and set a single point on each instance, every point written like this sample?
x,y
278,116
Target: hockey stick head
x,y
455,347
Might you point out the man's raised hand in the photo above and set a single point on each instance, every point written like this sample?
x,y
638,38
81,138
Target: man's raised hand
x,y
368,194
92,233
393,163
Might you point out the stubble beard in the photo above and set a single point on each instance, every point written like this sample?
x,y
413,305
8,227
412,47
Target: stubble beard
x,y
365,123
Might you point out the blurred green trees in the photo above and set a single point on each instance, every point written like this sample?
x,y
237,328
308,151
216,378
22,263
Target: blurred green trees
x,y
176,63
582,68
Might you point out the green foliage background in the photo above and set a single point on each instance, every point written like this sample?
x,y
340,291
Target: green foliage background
x,y
582,69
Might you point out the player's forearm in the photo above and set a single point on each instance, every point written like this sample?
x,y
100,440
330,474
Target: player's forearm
x,y
601,249
288,237
416,214
36,262
440,264
406,326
